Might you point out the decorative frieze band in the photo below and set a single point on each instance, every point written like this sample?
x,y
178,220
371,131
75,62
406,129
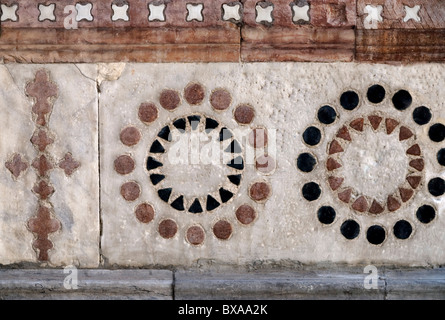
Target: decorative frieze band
x,y
222,30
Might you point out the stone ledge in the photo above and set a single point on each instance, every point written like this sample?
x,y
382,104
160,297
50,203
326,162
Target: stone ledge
x,y
275,285
92,284
313,284
344,284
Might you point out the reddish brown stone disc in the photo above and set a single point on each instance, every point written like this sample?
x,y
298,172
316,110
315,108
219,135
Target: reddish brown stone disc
x,y
220,99
244,114
169,99
144,212
222,230
194,93
130,136
124,164
167,228
245,214
195,235
130,191
147,112
259,191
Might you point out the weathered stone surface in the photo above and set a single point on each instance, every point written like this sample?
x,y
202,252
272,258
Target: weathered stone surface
x,y
421,14
88,284
93,36
415,284
189,200
49,155
400,45
222,31
400,31
273,284
262,282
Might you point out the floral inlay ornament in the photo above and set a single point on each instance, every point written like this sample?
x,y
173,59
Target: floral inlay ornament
x,y
195,164
43,93
374,163
369,171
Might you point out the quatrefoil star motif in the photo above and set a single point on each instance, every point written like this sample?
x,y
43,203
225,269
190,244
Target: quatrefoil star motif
x,y
231,12
264,12
374,16
194,12
300,13
84,12
412,13
156,12
120,12
47,12
9,12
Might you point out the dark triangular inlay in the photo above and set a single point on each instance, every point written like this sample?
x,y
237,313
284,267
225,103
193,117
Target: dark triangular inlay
x,y
225,195
164,194
153,164
194,121
235,179
234,147
195,207
164,133
157,147
237,163
180,124
211,203
156,178
225,134
178,204
211,124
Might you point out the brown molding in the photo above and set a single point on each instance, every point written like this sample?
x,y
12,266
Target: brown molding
x,y
252,30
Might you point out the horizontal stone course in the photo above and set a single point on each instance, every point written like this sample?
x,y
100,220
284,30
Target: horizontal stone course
x,y
91,284
336,283
222,31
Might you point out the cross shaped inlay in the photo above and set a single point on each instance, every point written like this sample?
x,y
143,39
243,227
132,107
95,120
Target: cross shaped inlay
x,y
43,190
16,166
42,225
42,165
68,164
41,140
44,92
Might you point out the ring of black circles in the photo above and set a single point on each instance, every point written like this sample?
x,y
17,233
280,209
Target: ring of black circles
x,y
306,162
187,124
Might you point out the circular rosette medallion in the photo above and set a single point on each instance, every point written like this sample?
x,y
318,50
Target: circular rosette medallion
x,y
195,163
373,164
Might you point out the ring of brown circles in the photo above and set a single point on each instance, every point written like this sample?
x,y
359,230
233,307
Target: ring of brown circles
x,y
220,100
349,100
